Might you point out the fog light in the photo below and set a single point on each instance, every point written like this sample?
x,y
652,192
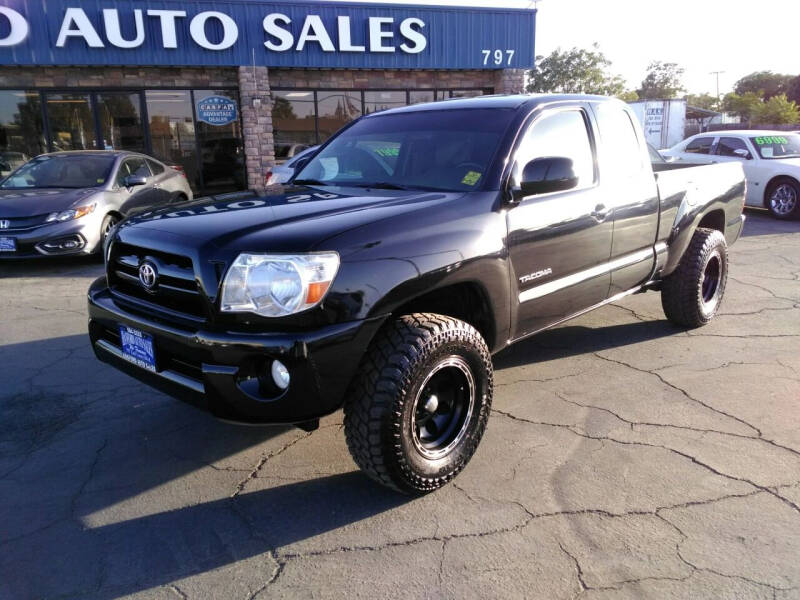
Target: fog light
x,y
280,374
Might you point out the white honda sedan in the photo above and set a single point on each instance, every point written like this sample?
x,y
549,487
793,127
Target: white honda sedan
x,y
771,161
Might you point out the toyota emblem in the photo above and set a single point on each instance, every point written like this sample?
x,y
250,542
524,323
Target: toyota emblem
x,y
148,275
5,223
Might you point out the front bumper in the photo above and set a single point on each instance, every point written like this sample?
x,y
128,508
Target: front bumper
x,y
215,369
31,242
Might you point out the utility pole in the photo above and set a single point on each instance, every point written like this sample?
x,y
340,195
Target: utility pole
x,y
717,73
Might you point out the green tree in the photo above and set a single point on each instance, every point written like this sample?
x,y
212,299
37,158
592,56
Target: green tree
x,y
793,91
746,106
706,101
764,83
628,96
575,71
663,81
778,110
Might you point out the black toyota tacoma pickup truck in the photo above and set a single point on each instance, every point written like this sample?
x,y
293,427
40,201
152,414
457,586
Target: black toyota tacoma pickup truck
x,y
412,246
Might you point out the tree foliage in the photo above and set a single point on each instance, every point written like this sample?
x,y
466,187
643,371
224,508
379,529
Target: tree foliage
x,y
628,96
575,71
706,101
664,80
778,110
764,83
754,110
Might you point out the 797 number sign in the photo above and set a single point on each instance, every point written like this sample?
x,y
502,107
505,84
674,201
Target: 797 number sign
x,y
498,57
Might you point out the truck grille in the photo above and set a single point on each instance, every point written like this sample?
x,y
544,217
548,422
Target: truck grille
x,y
177,292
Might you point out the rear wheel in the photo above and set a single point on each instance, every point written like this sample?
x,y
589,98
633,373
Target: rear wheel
x,y
692,294
418,410
783,199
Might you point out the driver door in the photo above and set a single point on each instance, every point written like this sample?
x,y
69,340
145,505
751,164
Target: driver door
x,y
559,243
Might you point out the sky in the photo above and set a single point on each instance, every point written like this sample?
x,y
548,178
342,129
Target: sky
x,y
702,36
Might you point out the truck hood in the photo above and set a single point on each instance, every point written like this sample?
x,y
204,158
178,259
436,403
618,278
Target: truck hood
x,y
288,219
33,202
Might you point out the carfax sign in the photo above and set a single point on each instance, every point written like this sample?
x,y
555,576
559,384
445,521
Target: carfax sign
x,y
276,34
217,110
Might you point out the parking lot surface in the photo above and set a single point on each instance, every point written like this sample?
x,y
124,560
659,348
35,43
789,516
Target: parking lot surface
x,y
625,458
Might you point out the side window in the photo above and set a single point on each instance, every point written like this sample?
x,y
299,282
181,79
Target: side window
x,y
155,167
622,150
562,134
138,166
701,145
728,145
124,171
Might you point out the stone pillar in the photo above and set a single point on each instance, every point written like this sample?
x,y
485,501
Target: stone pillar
x,y
256,106
510,81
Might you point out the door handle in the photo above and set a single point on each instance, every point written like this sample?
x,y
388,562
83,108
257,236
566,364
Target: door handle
x,y
600,212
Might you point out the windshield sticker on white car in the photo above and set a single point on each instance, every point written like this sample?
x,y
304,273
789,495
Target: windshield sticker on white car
x,y
771,139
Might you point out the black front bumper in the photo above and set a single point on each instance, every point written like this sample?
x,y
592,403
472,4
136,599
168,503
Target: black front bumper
x,y
215,370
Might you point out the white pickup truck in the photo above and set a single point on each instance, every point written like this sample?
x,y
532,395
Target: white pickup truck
x,y
771,162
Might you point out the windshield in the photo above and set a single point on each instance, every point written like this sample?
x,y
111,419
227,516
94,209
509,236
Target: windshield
x,y
777,146
69,171
447,150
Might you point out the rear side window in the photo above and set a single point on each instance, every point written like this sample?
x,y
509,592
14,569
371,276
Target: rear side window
x,y
156,168
728,145
563,134
701,145
622,150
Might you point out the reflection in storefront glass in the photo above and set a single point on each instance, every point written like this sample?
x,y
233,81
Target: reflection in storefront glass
x,y
375,101
221,148
71,122
21,133
121,121
172,131
336,109
293,122
420,96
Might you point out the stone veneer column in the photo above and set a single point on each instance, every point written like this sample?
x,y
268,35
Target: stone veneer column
x,y
256,107
510,81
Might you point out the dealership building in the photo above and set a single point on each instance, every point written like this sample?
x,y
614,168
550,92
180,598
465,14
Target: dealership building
x,y
225,90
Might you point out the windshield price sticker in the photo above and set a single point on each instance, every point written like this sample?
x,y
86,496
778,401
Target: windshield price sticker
x,y
471,178
770,139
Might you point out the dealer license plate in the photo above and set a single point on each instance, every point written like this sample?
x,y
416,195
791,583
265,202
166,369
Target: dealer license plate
x,y
8,244
137,347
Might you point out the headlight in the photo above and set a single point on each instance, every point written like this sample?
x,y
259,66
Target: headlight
x,y
72,213
276,285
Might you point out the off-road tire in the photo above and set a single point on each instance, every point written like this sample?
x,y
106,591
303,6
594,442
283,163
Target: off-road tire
x,y
379,411
683,295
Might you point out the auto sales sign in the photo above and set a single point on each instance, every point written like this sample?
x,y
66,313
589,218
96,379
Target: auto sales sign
x,y
250,32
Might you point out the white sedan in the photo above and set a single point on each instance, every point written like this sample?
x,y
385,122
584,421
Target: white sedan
x,y
771,161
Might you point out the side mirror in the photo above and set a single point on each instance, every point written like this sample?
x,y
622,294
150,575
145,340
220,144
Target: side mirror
x,y
741,152
135,180
545,175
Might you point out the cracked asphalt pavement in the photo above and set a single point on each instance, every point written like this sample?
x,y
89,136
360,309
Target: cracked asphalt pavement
x,y
625,458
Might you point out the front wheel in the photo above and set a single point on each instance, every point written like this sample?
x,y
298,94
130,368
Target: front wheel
x,y
692,294
783,199
109,222
418,409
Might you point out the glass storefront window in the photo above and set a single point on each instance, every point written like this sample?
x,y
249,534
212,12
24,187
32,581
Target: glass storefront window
x,y
71,122
294,123
121,121
466,93
172,132
336,109
375,101
21,132
420,96
221,148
